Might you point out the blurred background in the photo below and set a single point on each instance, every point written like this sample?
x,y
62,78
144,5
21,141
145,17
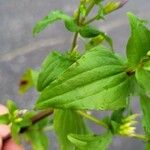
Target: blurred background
x,y
19,50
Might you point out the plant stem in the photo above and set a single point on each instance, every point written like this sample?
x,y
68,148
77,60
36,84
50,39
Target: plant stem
x,y
141,137
90,20
88,11
74,43
39,116
45,113
137,136
92,118
102,123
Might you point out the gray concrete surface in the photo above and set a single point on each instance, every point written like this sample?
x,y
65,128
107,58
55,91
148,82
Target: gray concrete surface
x,y
19,50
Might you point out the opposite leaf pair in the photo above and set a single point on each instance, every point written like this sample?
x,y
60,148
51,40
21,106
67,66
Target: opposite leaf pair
x,y
99,79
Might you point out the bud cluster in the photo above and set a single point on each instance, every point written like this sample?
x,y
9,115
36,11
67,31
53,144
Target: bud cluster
x,y
18,114
128,125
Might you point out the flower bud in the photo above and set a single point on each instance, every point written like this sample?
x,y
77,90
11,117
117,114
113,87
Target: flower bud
x,y
128,125
75,14
18,120
113,5
15,114
148,54
130,118
22,112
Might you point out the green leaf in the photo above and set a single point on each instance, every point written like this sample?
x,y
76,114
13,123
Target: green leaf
x,y
143,77
139,41
4,119
71,25
89,32
91,142
34,75
28,80
51,18
147,146
67,122
98,40
37,136
117,115
98,80
38,139
11,107
116,120
53,66
145,105
98,1
147,66
15,129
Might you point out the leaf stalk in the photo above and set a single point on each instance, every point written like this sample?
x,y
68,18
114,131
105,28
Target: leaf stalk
x,y
92,118
74,43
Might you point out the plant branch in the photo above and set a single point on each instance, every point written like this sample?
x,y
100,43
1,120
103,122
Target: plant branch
x,y
140,137
90,20
102,123
137,136
39,116
92,118
88,11
45,113
74,43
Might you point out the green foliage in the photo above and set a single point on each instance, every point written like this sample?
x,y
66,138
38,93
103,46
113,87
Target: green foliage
x,y
82,9
143,73
17,119
98,80
67,122
142,77
97,36
11,106
70,84
98,1
4,119
115,120
91,142
89,32
139,41
98,40
52,67
147,147
36,135
28,80
145,105
51,18
113,5
38,139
